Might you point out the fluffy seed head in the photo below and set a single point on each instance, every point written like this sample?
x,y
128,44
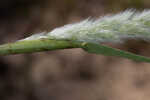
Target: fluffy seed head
x,y
111,28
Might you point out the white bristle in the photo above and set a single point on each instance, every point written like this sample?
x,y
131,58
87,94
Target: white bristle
x,y
111,28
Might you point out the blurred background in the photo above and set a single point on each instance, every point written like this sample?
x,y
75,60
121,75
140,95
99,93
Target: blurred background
x,y
68,74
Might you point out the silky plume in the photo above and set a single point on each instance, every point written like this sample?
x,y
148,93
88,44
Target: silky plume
x,y
116,28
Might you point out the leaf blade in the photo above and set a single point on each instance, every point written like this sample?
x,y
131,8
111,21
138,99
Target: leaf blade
x,y
108,51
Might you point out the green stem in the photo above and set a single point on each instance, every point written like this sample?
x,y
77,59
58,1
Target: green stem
x,y
30,46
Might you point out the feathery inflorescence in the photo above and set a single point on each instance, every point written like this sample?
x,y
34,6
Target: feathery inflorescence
x,y
111,28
